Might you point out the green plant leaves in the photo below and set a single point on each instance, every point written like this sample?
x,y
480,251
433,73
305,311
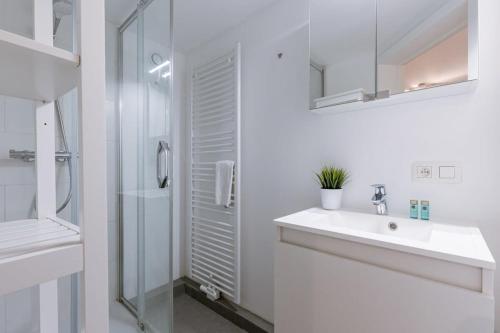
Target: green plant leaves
x,y
332,178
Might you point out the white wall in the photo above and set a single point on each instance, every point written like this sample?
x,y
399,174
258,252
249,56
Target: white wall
x,y
283,144
179,172
274,100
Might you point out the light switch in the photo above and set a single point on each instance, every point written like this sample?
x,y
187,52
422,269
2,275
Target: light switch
x,y
447,172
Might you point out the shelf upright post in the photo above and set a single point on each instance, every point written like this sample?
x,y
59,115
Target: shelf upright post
x,y
92,166
45,165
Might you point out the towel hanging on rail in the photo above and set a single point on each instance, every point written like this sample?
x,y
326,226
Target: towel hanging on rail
x,y
224,173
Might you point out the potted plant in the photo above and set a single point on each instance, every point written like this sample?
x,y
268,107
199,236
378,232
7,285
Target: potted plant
x,y
332,181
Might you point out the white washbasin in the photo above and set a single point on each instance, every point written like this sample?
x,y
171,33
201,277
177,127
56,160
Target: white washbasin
x,y
384,225
445,241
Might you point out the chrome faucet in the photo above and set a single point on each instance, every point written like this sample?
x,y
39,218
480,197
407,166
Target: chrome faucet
x,y
379,199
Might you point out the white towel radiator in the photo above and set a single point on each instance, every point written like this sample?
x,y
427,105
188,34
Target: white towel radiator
x,y
214,230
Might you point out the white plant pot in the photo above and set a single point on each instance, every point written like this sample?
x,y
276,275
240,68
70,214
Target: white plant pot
x,y
331,199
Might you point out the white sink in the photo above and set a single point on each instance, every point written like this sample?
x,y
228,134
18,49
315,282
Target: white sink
x,y
445,241
384,225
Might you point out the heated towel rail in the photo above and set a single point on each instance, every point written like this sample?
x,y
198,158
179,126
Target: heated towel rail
x,y
215,135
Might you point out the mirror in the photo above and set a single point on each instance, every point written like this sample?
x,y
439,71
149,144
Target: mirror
x,y
342,50
364,50
422,44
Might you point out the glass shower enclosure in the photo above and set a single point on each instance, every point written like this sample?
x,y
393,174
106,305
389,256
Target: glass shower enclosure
x,y
145,163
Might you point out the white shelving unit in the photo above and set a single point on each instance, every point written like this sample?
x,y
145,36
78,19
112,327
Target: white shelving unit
x,y
17,238
38,252
48,249
36,71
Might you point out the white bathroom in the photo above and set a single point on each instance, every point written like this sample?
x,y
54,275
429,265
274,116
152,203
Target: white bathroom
x,y
286,166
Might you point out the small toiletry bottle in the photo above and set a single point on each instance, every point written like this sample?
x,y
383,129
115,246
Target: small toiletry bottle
x,y
424,210
414,209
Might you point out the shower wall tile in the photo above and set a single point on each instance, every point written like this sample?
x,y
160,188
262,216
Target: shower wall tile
x,y
61,194
14,172
19,115
112,175
113,259
64,299
15,141
68,103
19,201
2,212
2,315
113,280
112,241
2,114
111,121
19,306
111,61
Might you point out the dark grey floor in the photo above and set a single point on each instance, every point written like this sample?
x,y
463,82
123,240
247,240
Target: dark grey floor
x,y
190,316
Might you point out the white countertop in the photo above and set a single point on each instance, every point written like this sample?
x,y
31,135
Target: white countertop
x,y
464,245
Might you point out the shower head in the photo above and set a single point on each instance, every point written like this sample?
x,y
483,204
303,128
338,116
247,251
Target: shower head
x,y
61,8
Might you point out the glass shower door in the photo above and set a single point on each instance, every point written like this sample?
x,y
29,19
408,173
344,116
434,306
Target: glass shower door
x,y
146,166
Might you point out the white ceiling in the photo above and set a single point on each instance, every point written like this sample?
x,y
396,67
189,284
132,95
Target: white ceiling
x,y
343,29
195,21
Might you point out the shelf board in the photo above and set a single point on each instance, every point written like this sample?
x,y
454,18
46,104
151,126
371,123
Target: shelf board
x,y
407,97
37,251
35,71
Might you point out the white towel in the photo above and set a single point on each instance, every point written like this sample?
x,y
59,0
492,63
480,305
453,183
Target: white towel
x,y
224,182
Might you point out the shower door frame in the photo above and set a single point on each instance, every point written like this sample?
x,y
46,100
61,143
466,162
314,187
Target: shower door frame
x,y
133,17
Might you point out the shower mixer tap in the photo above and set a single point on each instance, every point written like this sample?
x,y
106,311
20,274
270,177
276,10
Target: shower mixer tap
x,y
30,155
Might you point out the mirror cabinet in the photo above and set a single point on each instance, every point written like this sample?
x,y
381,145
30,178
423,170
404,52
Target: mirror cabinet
x,y
364,51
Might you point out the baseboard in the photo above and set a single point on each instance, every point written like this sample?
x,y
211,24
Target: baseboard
x,y
232,312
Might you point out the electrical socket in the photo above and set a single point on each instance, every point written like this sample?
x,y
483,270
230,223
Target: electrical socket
x,y
437,172
424,172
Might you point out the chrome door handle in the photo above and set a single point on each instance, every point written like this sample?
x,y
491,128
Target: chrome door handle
x,y
162,164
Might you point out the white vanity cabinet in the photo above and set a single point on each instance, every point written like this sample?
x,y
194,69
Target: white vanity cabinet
x,y
333,274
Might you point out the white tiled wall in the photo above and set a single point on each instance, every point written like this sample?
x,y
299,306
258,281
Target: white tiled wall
x,y
17,184
19,202
2,203
2,113
19,116
18,307
17,178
